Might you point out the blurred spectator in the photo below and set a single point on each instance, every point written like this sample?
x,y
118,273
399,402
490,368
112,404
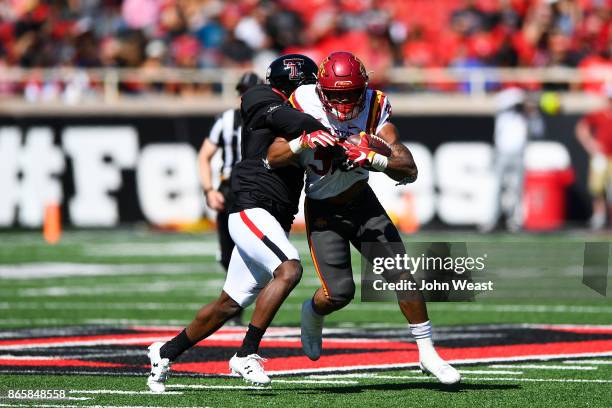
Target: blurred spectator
x,y
384,33
510,140
594,132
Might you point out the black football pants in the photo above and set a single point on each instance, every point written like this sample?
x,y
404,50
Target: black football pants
x,y
331,227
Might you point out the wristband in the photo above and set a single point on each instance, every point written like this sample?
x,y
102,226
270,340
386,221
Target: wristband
x,y
296,145
379,162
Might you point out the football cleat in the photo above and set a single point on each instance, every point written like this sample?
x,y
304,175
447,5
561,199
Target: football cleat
x,y
440,369
160,368
250,368
311,331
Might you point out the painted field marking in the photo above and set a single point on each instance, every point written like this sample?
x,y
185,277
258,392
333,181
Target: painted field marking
x,y
275,381
186,248
509,308
13,357
544,367
49,399
595,362
98,373
422,377
217,387
337,382
50,270
89,406
124,392
97,306
55,321
497,372
522,379
150,287
179,306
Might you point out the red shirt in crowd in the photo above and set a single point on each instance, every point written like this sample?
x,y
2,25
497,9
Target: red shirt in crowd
x,y
600,123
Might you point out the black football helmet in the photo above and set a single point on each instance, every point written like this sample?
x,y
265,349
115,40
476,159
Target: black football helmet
x,y
288,72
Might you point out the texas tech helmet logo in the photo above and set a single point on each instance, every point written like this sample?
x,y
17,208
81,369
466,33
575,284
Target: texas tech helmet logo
x,y
295,67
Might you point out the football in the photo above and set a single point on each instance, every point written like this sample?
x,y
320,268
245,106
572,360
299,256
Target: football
x,y
372,142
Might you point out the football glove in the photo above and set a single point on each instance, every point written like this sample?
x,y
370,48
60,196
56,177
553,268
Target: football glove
x,y
318,138
359,156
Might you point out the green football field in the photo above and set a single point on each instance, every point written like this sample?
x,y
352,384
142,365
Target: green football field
x,y
109,283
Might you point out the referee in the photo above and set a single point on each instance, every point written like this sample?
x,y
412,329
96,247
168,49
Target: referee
x,y
225,135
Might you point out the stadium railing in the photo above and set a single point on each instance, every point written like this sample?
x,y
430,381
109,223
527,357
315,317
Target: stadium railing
x,y
111,86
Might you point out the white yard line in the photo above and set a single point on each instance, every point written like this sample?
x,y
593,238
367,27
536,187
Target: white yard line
x,y
151,287
595,362
51,372
357,306
544,367
496,372
217,387
75,356
124,392
98,306
12,357
48,270
543,357
89,406
66,321
523,379
275,381
174,248
509,308
423,377
95,342
49,399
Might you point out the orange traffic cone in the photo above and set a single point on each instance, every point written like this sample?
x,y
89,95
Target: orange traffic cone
x,y
52,227
409,222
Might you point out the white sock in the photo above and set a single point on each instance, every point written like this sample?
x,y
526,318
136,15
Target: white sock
x,y
422,334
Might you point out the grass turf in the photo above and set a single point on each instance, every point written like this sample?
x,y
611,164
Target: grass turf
x,y
166,277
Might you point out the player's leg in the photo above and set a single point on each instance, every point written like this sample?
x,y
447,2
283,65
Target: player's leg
x,y
278,260
226,242
240,289
330,252
376,227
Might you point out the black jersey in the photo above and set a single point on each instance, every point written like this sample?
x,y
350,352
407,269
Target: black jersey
x,y
265,116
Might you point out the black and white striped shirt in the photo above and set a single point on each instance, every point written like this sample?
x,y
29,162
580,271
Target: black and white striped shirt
x,y
226,133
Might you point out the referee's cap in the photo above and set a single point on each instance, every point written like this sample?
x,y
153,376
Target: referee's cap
x,y
247,80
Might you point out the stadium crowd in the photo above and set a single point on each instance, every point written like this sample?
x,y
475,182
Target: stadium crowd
x,y
384,33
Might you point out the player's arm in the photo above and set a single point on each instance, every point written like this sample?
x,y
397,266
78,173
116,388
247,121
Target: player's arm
x,y
214,199
585,137
280,153
298,131
400,165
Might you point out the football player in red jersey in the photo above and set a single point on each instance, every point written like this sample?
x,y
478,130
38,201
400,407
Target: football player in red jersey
x,y
341,207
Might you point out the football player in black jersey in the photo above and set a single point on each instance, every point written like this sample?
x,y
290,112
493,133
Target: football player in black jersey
x,y
264,265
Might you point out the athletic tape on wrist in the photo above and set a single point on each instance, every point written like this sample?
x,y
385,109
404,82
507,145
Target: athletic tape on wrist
x,y
296,145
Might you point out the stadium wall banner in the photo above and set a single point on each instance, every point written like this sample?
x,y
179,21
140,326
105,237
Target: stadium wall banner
x,y
105,171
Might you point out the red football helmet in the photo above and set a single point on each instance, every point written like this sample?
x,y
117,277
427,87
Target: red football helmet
x,y
341,85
